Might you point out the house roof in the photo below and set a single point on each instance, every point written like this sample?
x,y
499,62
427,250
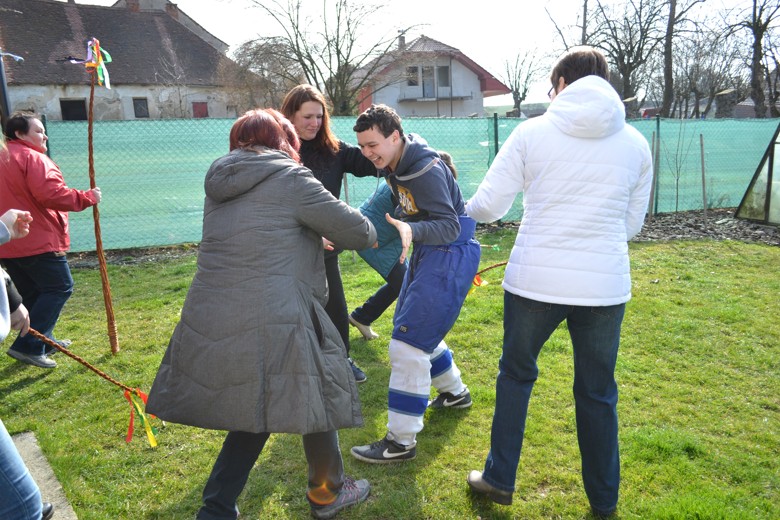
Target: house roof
x,y
489,85
146,47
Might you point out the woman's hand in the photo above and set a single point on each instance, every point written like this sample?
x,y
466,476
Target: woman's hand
x,y
327,244
17,222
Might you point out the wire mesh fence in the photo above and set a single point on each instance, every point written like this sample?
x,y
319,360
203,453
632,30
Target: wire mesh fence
x,y
151,172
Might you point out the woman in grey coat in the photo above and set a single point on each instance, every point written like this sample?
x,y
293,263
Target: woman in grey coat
x,y
255,352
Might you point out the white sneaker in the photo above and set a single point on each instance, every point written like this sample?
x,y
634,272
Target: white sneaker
x,y
365,330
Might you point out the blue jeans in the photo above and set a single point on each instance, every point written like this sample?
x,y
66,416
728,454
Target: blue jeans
x,y
20,498
45,283
378,302
595,336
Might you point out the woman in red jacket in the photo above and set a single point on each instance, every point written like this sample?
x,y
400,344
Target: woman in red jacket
x,y
37,264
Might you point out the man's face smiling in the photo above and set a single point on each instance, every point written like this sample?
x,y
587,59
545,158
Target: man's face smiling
x,y
384,152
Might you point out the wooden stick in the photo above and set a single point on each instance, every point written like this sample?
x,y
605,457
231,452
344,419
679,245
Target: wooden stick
x,y
112,334
703,180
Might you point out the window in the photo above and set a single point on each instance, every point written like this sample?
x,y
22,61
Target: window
x,y
412,78
427,83
73,109
140,107
443,74
200,109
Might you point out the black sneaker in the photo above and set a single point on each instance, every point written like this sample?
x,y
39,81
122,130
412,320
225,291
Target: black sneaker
x,y
360,376
384,451
447,400
352,492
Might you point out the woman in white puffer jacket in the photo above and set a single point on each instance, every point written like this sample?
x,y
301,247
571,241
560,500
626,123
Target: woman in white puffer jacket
x,y
585,176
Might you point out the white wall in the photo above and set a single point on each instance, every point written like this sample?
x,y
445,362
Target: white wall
x,y
117,103
408,100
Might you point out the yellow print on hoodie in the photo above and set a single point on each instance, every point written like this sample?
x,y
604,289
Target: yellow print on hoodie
x,y
406,201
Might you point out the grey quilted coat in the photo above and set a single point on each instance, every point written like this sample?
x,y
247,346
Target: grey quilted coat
x,y
254,350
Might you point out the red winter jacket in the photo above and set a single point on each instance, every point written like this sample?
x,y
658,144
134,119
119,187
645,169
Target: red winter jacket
x,y
30,181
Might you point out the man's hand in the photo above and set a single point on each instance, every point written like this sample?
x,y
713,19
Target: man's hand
x,y
327,244
17,222
20,320
405,230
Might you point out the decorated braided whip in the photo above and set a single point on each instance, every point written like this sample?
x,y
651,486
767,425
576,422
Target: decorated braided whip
x,y
95,64
131,394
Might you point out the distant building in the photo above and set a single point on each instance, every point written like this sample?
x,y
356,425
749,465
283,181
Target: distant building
x,y
164,64
429,78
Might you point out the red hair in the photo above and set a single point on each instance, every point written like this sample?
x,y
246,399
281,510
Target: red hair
x,y
265,127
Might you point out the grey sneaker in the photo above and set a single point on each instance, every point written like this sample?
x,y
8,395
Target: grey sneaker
x,y
384,451
64,343
478,485
365,330
40,360
360,376
447,400
352,492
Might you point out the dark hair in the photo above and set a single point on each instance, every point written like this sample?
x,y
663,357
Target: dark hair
x,y
447,159
265,127
579,62
384,118
18,122
297,96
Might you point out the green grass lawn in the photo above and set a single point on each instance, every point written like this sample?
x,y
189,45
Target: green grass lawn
x,y
699,404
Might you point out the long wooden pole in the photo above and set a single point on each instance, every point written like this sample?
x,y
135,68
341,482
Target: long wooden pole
x,y
112,335
703,180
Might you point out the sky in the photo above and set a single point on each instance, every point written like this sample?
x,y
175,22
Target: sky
x,y
490,32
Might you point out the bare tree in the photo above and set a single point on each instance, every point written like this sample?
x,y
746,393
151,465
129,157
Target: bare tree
x,y
629,33
758,19
172,98
521,74
772,71
582,25
266,72
674,20
340,53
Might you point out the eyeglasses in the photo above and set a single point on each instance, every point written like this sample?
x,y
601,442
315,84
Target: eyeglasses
x,y
550,92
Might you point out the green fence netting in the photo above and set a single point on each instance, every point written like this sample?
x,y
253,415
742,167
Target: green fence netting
x,y
151,172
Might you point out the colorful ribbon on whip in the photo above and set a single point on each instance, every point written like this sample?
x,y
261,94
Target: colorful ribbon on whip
x,y
96,61
135,407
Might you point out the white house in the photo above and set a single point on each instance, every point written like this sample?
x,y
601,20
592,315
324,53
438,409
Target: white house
x,y
429,78
164,65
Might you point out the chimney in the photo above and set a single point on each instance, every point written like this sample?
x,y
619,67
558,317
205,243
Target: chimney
x,y
133,6
172,10
401,40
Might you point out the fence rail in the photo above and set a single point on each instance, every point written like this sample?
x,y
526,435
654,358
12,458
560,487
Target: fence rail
x,y
151,172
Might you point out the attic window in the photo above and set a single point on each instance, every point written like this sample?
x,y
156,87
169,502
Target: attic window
x,y
140,107
412,76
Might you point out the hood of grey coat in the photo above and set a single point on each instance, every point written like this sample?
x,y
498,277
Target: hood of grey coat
x,y
241,170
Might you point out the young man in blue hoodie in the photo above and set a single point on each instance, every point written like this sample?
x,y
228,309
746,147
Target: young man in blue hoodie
x,y
431,214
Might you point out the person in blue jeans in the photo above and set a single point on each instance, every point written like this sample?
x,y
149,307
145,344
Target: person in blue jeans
x,y
38,266
585,176
20,497
384,257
